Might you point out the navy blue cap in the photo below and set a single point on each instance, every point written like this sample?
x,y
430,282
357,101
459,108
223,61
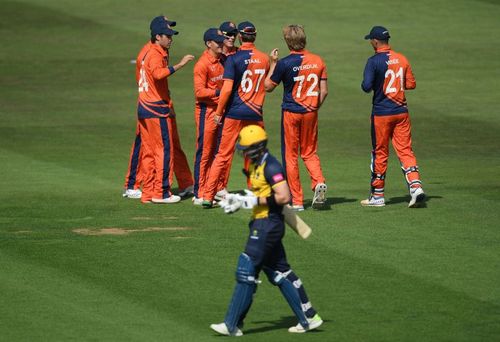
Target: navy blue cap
x,y
247,27
160,19
213,34
228,28
378,32
160,25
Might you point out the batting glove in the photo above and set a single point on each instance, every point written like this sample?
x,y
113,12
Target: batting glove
x,y
230,203
248,201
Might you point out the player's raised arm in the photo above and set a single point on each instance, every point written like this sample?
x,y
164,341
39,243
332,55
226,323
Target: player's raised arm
x,y
269,85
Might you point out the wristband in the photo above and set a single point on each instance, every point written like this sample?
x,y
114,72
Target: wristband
x,y
172,69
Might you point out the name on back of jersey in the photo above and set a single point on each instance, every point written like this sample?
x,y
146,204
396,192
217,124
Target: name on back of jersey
x,y
252,61
305,67
392,61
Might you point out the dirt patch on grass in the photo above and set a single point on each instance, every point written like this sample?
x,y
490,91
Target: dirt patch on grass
x,y
123,231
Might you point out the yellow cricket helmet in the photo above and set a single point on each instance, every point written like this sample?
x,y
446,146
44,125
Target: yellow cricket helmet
x,y
252,141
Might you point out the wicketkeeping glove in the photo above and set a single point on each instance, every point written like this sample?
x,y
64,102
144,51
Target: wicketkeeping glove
x,y
248,201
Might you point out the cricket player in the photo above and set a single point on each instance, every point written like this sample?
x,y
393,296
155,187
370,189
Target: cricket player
x,y
229,30
135,172
208,72
240,103
264,249
305,89
388,74
158,129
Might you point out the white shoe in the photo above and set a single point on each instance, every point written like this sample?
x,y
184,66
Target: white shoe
x,y
373,202
221,194
132,193
221,328
314,323
297,207
187,191
168,200
417,197
197,201
319,198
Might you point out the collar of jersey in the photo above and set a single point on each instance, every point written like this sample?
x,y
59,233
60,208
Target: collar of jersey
x,y
300,52
264,157
247,46
211,58
384,49
158,48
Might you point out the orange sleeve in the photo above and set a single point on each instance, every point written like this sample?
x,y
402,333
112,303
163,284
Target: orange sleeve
x,y
158,70
410,82
201,92
225,93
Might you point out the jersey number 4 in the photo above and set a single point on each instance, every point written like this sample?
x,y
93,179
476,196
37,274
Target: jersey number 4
x,y
392,84
313,78
143,82
247,81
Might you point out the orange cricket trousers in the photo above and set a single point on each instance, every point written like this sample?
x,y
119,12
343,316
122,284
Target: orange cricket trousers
x,y
157,157
207,135
396,128
221,166
299,132
182,171
133,178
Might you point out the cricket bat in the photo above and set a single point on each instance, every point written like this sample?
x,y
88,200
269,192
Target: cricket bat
x,y
296,223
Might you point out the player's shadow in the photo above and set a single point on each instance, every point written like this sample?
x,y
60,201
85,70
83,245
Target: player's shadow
x,y
406,199
331,201
282,323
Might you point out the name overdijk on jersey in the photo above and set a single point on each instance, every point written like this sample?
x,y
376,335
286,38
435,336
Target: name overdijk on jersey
x,y
247,68
388,74
301,73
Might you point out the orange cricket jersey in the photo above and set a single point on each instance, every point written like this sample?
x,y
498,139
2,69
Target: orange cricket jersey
x,y
301,73
247,68
208,72
154,96
388,74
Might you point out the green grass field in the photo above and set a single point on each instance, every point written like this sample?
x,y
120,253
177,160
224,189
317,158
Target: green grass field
x,y
67,109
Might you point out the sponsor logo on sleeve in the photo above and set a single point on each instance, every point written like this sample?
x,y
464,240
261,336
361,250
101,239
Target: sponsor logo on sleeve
x,y
278,177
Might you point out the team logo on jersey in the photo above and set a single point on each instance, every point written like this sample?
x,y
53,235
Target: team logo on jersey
x,y
255,235
278,177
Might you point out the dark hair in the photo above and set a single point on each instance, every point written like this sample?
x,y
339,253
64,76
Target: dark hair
x,y
247,37
384,41
153,38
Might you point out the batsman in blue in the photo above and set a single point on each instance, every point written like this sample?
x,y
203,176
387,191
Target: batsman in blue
x,y
264,248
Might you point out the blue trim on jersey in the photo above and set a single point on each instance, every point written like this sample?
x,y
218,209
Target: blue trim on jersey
x,y
373,79
234,67
134,162
199,151
165,135
284,71
148,110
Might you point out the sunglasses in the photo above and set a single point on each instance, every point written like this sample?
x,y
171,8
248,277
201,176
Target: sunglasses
x,y
229,34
